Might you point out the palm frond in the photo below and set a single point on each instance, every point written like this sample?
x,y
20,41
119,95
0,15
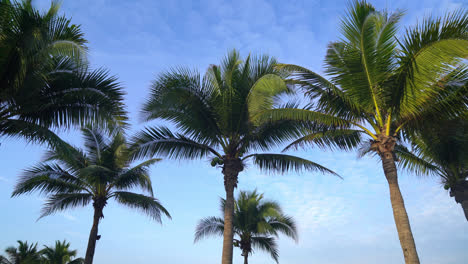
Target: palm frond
x,y
344,139
47,178
282,163
143,203
63,201
210,226
136,177
266,244
413,163
161,141
185,98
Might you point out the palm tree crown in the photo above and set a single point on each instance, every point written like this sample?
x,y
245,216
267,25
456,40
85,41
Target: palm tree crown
x,y
60,254
71,177
25,253
45,80
257,223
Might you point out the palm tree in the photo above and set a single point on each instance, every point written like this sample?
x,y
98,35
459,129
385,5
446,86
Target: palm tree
x,y
214,116
442,150
45,79
71,177
25,253
382,88
256,223
60,254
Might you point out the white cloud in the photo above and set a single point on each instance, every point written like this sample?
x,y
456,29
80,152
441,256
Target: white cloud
x,y
68,216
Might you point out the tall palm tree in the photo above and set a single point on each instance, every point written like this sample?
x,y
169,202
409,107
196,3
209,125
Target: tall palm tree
x,y
442,150
71,177
60,254
256,223
382,87
25,253
45,79
214,117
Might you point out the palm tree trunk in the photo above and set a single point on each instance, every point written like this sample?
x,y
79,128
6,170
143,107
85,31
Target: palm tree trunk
x,y
399,212
93,235
464,205
246,258
231,170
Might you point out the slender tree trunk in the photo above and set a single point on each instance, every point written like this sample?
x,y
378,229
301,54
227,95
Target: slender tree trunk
x,y
246,258
399,211
231,170
93,235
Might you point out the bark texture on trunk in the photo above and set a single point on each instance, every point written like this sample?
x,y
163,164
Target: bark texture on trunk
x,y
231,170
399,212
93,235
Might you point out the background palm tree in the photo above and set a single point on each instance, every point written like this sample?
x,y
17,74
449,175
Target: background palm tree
x,y
382,88
442,150
60,254
214,115
256,223
25,253
45,80
71,177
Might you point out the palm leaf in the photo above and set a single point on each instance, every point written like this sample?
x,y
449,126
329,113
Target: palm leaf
x,y
146,204
63,201
282,163
211,226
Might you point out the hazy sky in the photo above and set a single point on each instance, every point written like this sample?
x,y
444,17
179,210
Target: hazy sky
x,y
347,221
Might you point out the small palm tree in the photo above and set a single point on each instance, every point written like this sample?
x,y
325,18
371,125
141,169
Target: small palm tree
x,y
45,80
257,224
71,177
25,253
60,254
215,117
381,88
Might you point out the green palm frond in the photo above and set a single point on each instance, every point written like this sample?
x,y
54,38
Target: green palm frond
x,y
282,163
185,98
136,176
47,178
285,225
32,132
263,92
161,141
266,244
344,139
413,163
62,201
330,99
146,204
304,115
210,226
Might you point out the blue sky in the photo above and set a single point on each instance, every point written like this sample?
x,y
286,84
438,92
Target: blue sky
x,y
347,221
